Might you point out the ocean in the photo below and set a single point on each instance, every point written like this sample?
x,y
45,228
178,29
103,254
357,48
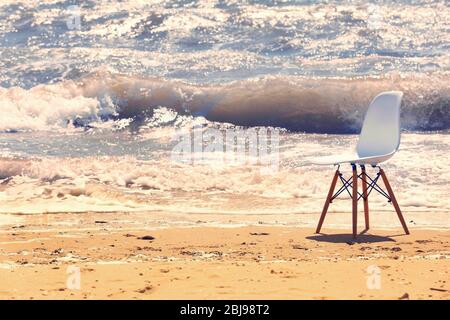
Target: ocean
x,y
95,97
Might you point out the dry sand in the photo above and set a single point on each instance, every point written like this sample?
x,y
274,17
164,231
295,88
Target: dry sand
x,y
120,258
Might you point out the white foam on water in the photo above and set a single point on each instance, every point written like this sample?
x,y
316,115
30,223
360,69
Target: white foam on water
x,y
295,103
418,173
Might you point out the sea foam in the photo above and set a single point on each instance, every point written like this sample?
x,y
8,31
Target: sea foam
x,y
295,103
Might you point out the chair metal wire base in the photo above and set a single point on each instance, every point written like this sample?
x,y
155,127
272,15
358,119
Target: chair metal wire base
x,y
348,184
369,184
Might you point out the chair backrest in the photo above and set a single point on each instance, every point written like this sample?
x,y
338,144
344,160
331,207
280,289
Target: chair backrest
x,y
380,134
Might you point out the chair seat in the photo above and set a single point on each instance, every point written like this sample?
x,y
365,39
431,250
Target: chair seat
x,y
351,158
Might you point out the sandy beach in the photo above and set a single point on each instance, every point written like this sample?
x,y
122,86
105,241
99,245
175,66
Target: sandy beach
x,y
117,259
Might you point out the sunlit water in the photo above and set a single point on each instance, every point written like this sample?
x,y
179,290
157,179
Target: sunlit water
x,y
94,95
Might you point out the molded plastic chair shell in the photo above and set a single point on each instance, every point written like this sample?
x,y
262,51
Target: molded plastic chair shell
x,y
380,135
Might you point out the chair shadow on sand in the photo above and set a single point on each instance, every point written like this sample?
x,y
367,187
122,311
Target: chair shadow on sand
x,y
348,238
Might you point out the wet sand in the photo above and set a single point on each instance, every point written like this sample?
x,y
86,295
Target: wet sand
x,y
119,257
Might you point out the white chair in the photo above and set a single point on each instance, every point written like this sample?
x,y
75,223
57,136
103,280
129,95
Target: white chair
x,y
378,141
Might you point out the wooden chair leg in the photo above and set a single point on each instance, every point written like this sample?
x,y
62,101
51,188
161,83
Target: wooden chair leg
x,y
355,201
327,201
365,196
394,201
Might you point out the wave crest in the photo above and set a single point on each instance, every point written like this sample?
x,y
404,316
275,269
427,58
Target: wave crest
x,y
295,103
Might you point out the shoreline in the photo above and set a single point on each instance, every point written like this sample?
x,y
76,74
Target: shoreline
x,y
380,220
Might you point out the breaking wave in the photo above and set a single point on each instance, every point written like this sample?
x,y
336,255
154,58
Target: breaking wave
x,y
317,105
